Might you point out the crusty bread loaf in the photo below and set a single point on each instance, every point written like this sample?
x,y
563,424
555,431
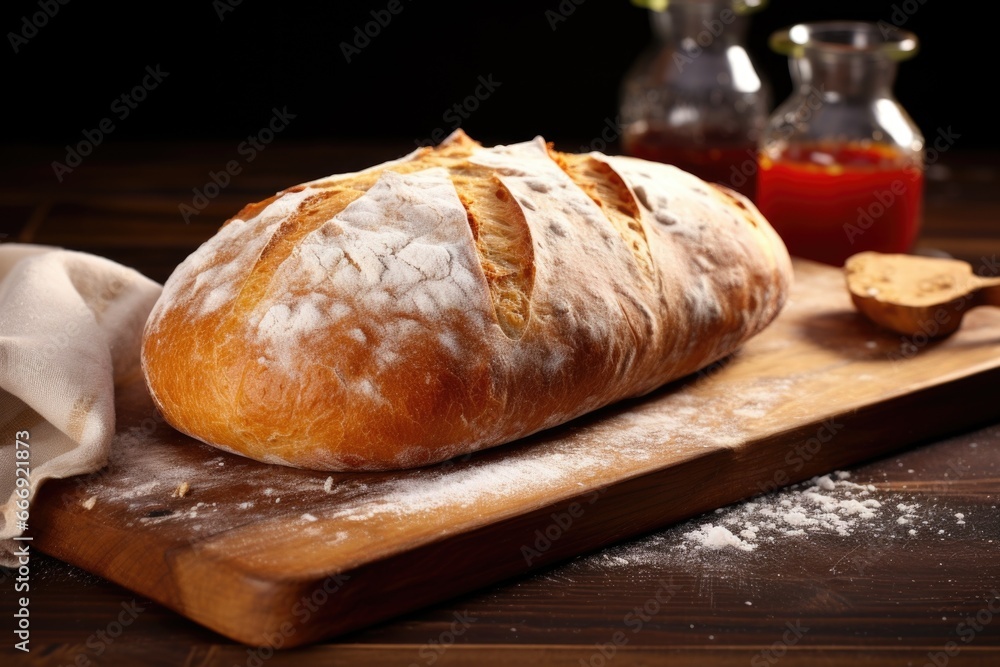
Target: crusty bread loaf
x,y
452,300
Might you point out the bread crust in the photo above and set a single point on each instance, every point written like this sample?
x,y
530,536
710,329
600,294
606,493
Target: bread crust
x,y
399,316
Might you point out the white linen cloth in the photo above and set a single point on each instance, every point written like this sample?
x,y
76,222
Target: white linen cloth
x,y
70,328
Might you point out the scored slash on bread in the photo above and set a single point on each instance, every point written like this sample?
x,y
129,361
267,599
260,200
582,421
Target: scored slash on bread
x,y
452,300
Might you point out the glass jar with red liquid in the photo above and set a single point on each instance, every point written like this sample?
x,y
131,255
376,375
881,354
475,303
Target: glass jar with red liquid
x,y
695,99
841,162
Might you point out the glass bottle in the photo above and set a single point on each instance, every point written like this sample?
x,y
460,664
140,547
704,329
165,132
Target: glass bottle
x,y
695,99
841,162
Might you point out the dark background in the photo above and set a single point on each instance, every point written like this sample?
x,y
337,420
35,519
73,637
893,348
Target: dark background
x,y
226,75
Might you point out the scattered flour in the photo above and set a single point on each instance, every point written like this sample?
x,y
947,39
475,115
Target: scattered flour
x,y
779,524
827,504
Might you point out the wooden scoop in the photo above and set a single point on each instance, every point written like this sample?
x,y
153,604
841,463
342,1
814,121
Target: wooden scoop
x,y
917,295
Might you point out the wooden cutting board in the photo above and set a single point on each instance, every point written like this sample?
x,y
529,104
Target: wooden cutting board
x,y
272,555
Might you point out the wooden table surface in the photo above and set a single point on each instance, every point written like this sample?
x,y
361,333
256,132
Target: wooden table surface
x,y
883,597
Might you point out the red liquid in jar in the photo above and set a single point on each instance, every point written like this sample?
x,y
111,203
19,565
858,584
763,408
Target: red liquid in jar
x,y
830,202
731,162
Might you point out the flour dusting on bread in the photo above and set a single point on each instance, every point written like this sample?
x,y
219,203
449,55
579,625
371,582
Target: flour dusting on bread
x,y
355,268
455,299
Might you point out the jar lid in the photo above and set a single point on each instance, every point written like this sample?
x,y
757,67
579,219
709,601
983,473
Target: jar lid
x,y
847,37
739,6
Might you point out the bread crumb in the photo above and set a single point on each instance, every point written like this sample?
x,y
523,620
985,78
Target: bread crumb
x,y
181,490
309,517
89,503
328,485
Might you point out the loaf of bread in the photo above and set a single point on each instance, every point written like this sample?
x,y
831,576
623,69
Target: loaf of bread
x,y
452,300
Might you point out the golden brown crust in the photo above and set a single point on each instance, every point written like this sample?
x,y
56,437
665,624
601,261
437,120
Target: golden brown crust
x,y
453,300
503,242
607,189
